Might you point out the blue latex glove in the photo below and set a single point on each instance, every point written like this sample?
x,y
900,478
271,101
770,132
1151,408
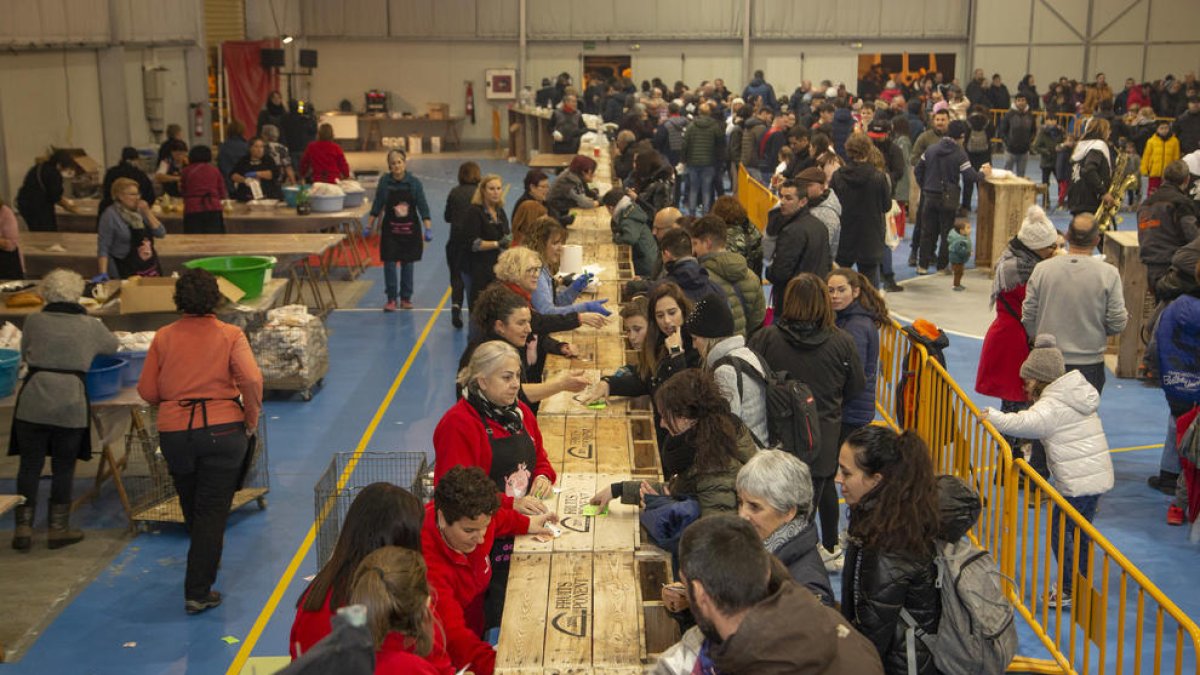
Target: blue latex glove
x,y
581,282
366,231
100,278
429,235
597,306
251,174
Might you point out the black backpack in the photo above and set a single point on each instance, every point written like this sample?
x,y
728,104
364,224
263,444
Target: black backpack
x,y
793,424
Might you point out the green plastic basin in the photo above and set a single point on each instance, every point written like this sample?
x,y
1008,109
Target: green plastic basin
x,y
247,272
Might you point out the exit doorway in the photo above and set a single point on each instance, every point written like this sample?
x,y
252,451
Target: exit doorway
x,y
605,67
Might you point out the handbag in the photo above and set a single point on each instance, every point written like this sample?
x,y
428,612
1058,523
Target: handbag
x,y
951,195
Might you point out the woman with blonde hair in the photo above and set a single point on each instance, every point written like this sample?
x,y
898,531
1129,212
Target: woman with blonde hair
x,y
518,270
392,585
487,233
400,200
125,241
547,238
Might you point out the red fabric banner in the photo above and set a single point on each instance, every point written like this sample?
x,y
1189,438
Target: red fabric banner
x,y
248,84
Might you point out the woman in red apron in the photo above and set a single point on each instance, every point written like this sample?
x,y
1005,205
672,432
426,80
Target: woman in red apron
x,y
399,211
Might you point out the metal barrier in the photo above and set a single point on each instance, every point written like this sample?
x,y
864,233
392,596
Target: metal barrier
x,y
755,198
1112,600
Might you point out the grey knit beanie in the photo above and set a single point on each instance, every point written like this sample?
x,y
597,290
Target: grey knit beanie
x,y
1045,362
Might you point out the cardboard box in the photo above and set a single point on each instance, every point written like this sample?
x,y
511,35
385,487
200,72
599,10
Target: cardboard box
x,y
414,145
143,295
435,144
439,111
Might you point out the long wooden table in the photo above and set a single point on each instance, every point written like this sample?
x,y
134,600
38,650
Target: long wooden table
x,y
589,601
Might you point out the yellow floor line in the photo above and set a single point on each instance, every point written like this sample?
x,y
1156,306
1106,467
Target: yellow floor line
x,y
268,609
1135,448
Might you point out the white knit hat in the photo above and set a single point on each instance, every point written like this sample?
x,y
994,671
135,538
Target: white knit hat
x,y
1037,231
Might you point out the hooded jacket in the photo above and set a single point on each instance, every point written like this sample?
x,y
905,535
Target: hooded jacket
x,y
631,226
771,641
658,191
1005,346
692,278
1091,172
860,325
1065,419
759,87
1163,230
1158,153
801,245
1045,145
668,137
828,209
1178,338
825,359
752,132
568,192
865,197
942,164
701,141
741,288
751,405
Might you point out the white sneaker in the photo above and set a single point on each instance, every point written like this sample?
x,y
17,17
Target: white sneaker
x,y
833,559
1053,601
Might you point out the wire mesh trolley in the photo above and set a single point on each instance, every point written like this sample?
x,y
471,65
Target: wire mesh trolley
x,y
336,490
148,481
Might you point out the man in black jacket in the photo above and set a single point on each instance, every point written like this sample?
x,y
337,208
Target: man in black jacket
x,y
684,269
1187,127
938,173
801,242
1016,130
1166,222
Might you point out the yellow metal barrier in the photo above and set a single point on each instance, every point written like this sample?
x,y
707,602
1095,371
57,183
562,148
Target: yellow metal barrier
x,y
755,197
1113,602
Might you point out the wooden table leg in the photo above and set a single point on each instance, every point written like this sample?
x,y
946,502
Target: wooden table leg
x,y
110,467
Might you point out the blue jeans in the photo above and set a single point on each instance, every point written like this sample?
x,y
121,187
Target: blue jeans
x,y
1016,162
1169,462
700,186
1086,506
406,279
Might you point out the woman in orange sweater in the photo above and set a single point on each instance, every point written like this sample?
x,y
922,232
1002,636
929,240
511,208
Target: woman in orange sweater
x,y
195,372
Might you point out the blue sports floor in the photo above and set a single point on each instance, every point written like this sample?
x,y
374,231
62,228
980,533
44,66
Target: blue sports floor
x,y
389,382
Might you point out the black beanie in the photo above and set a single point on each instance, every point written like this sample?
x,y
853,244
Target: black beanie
x,y
711,318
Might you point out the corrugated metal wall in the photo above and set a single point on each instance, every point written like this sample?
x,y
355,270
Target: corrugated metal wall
x,y
224,20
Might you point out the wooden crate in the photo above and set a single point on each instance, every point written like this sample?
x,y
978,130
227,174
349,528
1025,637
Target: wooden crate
x,y
1121,250
564,403
618,530
603,353
594,443
659,629
572,613
1002,206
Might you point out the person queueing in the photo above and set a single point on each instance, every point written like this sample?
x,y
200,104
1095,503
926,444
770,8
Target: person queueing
x,y
458,247
490,428
461,523
399,211
125,241
201,374
51,417
888,483
391,584
381,514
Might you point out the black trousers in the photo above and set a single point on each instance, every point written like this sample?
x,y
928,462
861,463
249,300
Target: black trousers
x,y
36,441
826,501
968,186
1037,452
205,464
1093,372
458,260
204,222
935,230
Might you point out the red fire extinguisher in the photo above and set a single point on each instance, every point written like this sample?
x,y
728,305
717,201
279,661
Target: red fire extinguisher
x,y
471,101
198,116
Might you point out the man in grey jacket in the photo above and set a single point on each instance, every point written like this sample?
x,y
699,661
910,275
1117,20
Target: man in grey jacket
x,y
1078,299
711,326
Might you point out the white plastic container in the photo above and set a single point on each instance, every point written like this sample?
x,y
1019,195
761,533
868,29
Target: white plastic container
x,y
414,145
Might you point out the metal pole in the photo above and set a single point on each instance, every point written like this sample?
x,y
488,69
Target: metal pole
x,y
222,88
1087,40
747,8
522,45
972,20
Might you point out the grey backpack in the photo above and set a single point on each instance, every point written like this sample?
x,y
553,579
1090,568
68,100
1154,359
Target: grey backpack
x,y
976,634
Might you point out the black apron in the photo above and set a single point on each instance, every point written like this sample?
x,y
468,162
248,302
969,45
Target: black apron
x,y
85,450
10,265
133,264
251,442
401,239
513,460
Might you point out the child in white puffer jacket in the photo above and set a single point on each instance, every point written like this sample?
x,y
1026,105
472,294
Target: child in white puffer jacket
x,y
1064,416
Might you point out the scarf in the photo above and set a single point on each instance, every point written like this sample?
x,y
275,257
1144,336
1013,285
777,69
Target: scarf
x,y
782,535
516,288
65,308
1013,268
132,218
507,416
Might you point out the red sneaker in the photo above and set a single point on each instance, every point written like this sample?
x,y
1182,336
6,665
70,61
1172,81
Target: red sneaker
x,y
1174,515
390,306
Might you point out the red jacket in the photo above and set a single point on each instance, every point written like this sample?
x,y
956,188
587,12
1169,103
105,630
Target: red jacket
x,y
326,161
460,438
309,628
202,188
1005,347
458,582
396,658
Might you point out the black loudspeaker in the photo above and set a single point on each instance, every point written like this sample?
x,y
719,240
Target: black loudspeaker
x,y
272,58
308,58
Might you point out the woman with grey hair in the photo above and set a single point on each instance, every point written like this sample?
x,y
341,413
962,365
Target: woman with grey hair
x,y
278,152
775,495
51,416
